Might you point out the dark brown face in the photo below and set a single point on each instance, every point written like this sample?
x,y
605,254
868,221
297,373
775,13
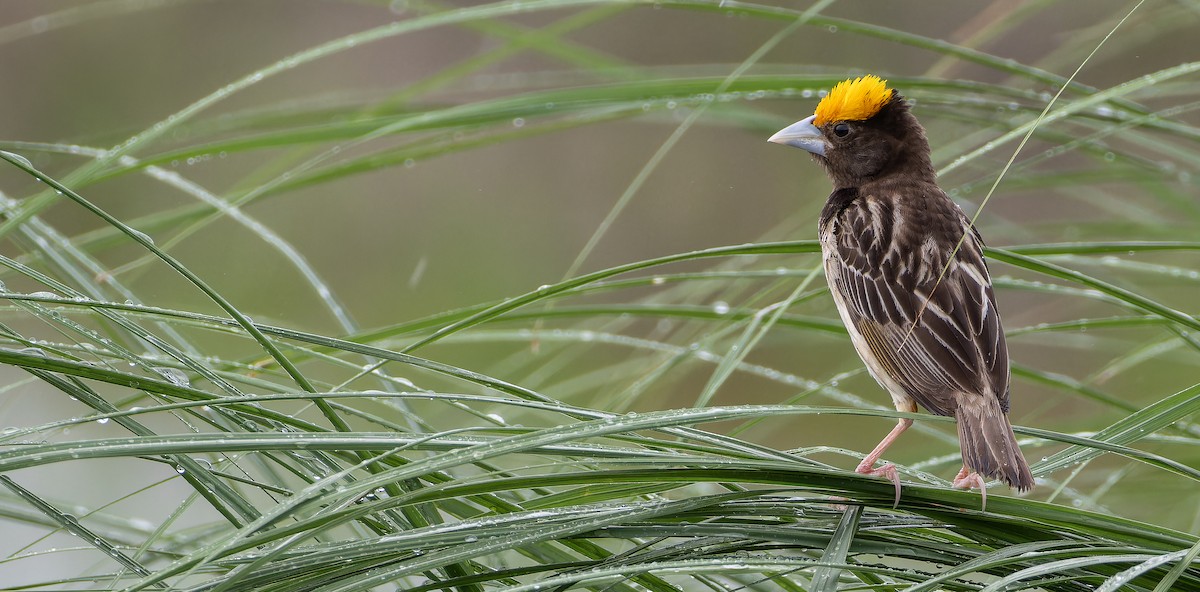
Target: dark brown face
x,y
891,142
856,151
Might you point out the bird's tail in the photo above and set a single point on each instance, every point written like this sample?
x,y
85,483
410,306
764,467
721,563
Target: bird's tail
x,y
989,446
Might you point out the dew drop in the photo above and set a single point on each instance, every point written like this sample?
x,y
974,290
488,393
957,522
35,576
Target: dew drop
x,y
174,376
141,236
17,157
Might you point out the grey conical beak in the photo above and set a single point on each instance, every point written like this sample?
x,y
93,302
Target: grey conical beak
x,y
802,134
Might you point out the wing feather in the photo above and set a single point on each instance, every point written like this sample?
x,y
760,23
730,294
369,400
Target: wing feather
x,y
885,269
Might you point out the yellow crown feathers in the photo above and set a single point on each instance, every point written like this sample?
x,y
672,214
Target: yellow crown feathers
x,y
853,100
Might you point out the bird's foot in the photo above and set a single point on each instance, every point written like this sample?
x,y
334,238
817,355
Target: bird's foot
x,y
887,471
965,480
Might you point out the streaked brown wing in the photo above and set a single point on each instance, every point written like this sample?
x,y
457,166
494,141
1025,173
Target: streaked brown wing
x,y
886,267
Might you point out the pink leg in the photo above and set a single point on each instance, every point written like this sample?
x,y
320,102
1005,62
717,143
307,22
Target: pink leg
x,y
887,470
966,479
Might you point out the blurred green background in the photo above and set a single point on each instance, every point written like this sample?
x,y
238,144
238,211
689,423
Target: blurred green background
x,y
513,137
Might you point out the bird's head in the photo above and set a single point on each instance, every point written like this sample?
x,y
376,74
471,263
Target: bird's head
x,y
860,131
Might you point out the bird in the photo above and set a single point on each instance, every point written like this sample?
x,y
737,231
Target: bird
x,y
906,270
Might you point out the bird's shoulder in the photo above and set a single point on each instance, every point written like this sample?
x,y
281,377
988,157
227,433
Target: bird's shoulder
x,y
901,232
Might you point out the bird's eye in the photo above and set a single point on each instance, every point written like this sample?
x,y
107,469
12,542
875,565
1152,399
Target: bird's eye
x,y
841,130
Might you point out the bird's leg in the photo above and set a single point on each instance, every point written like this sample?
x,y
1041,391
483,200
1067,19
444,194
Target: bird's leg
x,y
966,479
888,470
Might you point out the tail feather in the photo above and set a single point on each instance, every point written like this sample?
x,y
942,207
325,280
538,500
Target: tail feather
x,y
989,446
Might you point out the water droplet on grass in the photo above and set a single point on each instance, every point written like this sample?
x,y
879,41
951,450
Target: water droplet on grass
x,y
174,376
142,236
17,157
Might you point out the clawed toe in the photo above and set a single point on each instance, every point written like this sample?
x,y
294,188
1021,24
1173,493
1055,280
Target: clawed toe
x,y
966,480
887,471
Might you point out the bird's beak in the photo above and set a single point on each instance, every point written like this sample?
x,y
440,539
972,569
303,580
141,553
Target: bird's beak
x,y
802,134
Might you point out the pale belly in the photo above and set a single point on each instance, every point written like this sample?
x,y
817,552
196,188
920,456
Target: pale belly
x,y
900,397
